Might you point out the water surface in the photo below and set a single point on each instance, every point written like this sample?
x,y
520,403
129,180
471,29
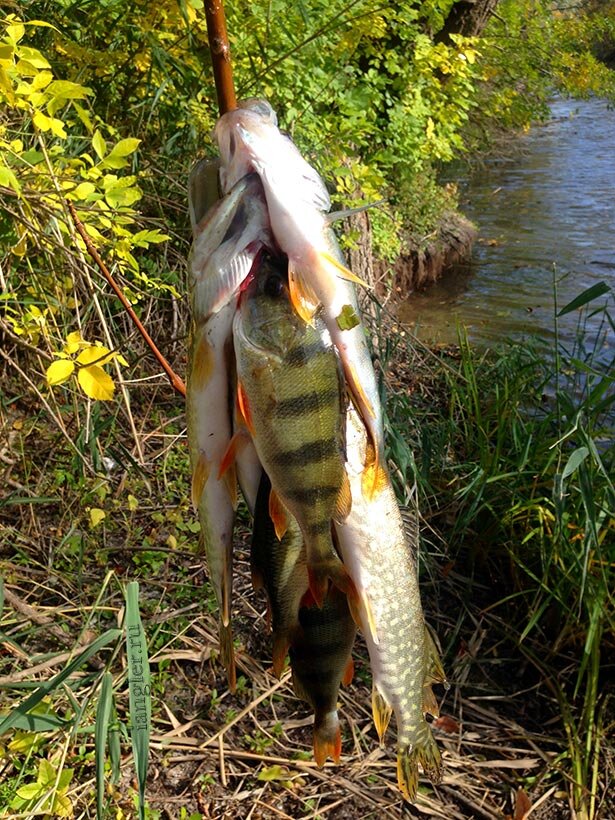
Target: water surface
x,y
546,215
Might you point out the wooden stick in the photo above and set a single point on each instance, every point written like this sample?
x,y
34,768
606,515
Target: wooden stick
x,y
175,380
220,55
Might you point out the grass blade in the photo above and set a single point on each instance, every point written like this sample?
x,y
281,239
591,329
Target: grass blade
x,y
103,715
139,689
599,289
36,697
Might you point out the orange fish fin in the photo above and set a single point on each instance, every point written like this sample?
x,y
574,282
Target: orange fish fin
x,y
307,601
200,474
237,443
343,502
202,365
363,404
318,581
319,575
374,479
244,408
278,514
381,712
327,743
342,270
348,673
281,645
302,297
227,654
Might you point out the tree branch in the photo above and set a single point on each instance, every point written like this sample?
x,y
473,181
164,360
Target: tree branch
x,y
175,380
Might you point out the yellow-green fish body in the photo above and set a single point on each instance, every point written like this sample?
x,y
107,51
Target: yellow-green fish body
x,y
290,389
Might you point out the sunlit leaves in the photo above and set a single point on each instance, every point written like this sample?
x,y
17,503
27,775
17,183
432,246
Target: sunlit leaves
x,y
87,365
60,371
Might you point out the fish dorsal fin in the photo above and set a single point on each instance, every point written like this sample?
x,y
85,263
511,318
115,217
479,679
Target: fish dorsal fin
x,y
343,502
430,703
434,671
278,514
335,216
381,712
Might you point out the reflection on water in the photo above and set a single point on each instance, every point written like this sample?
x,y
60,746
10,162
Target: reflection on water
x,y
548,214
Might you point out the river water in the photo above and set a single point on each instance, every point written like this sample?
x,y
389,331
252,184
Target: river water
x,y
546,215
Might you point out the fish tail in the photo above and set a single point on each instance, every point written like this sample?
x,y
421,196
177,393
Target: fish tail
x,y
425,752
327,737
323,571
227,654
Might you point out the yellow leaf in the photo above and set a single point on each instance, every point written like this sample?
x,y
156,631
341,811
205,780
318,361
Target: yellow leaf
x,y
95,383
94,354
133,504
15,32
73,342
83,190
41,121
172,542
59,371
99,145
57,127
96,516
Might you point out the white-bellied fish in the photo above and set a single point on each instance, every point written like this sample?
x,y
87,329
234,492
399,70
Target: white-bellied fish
x,y
228,238
319,641
292,399
297,202
374,545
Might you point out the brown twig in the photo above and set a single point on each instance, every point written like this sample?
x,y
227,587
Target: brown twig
x,y
175,380
220,55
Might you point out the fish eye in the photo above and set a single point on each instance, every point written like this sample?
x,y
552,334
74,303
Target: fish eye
x,y
274,286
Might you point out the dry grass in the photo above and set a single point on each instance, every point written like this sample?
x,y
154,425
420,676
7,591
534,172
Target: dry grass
x,y
245,755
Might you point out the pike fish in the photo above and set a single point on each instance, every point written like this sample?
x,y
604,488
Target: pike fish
x,y
291,397
319,641
228,236
297,202
375,549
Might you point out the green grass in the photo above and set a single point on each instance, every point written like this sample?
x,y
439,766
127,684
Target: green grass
x,y
514,460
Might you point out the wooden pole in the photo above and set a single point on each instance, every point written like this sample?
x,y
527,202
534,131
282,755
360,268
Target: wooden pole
x,y
220,55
